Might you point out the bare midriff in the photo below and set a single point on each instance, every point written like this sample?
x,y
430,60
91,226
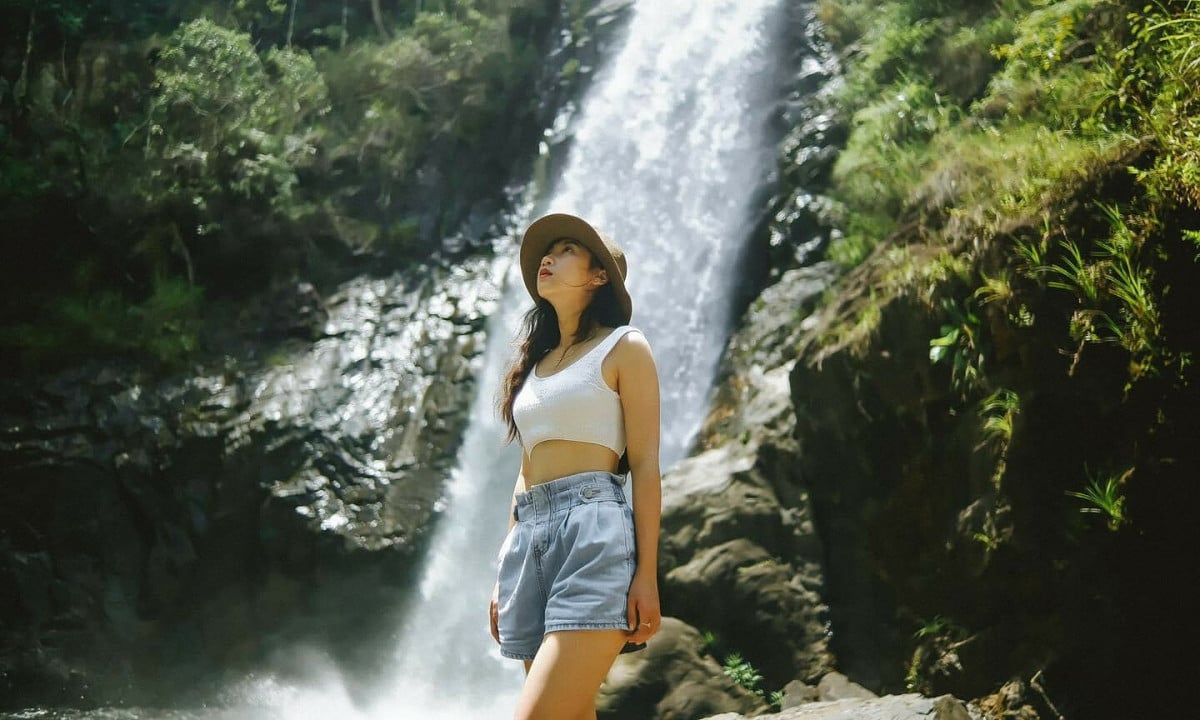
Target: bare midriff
x,y
553,459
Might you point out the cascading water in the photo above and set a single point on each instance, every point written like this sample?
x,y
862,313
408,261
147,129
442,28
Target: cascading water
x,y
670,143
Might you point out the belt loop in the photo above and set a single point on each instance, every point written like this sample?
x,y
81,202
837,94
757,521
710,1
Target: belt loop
x,y
515,517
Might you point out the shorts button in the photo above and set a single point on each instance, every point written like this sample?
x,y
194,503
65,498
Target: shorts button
x,y
589,493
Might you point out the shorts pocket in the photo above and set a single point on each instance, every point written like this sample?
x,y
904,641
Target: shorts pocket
x,y
506,543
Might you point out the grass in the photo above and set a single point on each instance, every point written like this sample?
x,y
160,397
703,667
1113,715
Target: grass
x,y
997,414
1075,274
1105,495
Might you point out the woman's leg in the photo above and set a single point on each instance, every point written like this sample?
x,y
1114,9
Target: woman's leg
x,y
566,674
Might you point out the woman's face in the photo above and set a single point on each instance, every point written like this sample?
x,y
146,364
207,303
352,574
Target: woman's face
x,y
567,267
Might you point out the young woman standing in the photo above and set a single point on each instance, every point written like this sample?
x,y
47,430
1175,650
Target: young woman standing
x,y
577,579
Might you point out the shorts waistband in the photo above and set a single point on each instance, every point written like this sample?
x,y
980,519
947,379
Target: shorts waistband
x,y
564,492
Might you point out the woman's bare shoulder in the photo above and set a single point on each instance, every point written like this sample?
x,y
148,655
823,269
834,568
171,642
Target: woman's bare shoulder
x,y
633,349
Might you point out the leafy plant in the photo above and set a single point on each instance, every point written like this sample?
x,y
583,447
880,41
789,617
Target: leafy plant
x,y
1076,275
995,289
1105,496
743,673
1032,251
998,413
1193,236
748,677
1136,324
961,345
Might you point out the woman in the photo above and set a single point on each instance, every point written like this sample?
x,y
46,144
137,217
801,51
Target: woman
x,y
577,581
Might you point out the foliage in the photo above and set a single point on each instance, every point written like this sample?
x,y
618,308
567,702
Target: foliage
x,y
961,344
1154,78
1078,84
743,673
225,121
1105,496
998,413
163,328
222,145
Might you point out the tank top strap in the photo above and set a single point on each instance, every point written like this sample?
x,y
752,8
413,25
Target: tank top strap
x,y
606,345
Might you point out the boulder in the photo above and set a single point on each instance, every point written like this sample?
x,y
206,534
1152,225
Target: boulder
x,y
672,678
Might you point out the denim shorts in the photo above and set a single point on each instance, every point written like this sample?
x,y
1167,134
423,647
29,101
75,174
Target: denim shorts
x,y
567,562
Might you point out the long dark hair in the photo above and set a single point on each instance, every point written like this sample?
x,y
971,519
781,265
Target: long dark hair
x,y
539,335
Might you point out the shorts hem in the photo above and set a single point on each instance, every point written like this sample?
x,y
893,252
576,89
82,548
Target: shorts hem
x,y
559,627
512,655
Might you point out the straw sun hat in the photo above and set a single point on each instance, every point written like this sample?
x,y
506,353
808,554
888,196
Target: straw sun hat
x,y
542,233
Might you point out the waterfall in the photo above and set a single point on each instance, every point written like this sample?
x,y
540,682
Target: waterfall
x,y
669,144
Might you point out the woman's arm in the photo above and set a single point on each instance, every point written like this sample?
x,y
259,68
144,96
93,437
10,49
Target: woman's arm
x,y
637,384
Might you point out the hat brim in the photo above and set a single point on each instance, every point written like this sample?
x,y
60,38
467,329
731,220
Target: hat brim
x,y
542,233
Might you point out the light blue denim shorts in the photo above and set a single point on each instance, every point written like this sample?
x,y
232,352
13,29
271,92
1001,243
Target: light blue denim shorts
x,y
567,562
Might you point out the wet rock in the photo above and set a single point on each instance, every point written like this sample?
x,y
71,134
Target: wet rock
x,y
254,502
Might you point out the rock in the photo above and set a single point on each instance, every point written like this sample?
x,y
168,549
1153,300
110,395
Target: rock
x,y
836,686
798,693
251,502
723,532
890,707
751,401
672,679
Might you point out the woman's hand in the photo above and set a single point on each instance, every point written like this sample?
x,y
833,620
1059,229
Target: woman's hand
x,y
645,618
494,613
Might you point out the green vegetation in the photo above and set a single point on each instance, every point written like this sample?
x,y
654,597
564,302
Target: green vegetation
x,y
1105,496
961,345
745,675
739,669
155,158
970,122
1022,191
998,414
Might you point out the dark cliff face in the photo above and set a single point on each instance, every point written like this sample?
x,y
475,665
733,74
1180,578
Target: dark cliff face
x,y
958,556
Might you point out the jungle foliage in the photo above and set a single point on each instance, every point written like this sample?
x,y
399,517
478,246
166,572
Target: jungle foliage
x,y
158,158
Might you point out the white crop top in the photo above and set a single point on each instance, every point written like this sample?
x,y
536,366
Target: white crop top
x,y
574,403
